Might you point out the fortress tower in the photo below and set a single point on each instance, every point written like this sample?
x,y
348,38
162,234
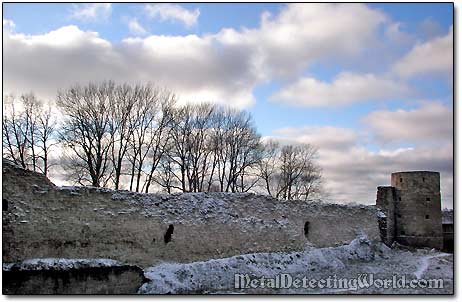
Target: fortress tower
x,y
410,209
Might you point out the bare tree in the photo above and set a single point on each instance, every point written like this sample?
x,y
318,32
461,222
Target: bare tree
x,y
213,146
87,129
309,184
46,131
15,129
149,120
142,119
160,134
181,144
32,107
246,155
121,106
237,149
164,176
198,146
28,129
289,172
268,166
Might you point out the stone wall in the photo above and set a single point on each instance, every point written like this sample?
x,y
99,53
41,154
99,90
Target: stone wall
x,y
386,197
418,208
416,202
43,221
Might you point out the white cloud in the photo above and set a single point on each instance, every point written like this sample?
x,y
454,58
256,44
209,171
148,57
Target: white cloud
x,y
434,56
394,32
194,68
286,43
136,28
345,89
430,28
8,25
65,37
189,65
44,63
173,12
224,67
352,173
92,12
324,137
429,123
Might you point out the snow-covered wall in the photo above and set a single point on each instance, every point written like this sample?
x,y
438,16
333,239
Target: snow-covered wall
x,y
75,222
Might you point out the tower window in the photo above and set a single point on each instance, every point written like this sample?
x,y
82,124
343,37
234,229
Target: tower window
x,y
427,216
399,215
400,179
423,179
402,233
428,198
399,198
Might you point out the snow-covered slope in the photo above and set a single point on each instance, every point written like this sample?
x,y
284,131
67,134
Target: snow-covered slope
x,y
361,257
218,274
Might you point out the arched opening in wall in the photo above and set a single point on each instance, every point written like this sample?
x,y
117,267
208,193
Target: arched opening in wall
x,y
168,234
306,229
4,204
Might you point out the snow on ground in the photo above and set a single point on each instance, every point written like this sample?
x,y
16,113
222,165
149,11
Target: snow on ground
x,y
361,256
40,264
218,274
425,263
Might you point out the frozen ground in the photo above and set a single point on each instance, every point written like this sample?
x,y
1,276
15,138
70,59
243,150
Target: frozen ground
x,y
357,260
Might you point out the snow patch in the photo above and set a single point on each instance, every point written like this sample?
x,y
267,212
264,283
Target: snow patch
x,y
39,264
381,214
218,274
425,263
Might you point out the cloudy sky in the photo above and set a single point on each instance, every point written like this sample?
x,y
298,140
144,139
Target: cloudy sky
x,y
369,85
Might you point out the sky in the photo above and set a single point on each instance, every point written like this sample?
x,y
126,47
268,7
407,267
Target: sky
x,y
370,85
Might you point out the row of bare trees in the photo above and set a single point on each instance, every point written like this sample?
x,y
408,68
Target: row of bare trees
x,y
114,130
27,130
138,137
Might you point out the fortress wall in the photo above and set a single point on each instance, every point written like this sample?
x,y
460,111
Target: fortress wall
x,y
386,198
47,221
418,208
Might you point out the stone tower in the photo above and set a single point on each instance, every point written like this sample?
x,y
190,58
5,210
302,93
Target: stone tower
x,y
410,209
